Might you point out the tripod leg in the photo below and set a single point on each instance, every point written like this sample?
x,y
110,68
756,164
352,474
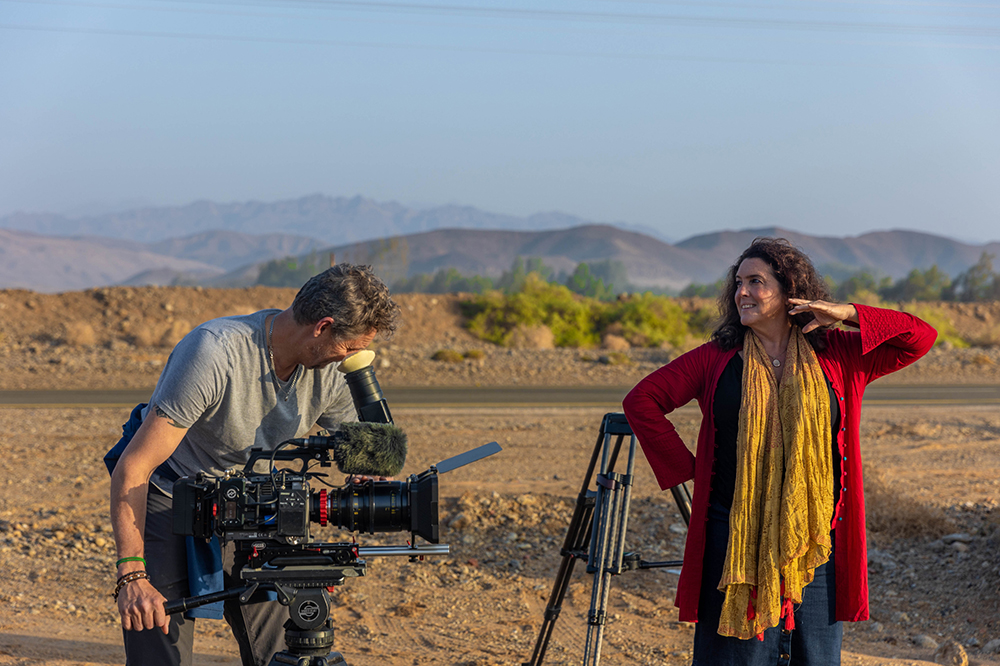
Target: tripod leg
x,y
577,537
683,499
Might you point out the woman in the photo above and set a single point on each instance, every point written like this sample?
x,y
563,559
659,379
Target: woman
x,y
775,556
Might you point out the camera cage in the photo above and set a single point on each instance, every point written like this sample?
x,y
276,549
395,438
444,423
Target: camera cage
x,y
294,566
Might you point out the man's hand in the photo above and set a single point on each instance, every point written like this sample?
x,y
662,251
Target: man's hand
x,y
361,478
142,607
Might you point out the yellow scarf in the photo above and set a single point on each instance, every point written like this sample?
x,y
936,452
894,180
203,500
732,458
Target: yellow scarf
x,y
779,525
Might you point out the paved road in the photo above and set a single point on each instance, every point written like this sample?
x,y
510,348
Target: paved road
x,y
513,397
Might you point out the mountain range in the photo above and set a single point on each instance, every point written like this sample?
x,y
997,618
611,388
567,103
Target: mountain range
x,y
48,253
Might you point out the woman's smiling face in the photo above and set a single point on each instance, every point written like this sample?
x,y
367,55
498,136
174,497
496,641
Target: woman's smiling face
x,y
759,297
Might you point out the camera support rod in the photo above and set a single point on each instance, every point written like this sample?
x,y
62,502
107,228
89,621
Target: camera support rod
x,y
597,534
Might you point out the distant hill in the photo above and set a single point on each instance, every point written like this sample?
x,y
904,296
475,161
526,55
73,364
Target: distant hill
x,y
43,263
650,262
332,220
894,253
226,258
229,249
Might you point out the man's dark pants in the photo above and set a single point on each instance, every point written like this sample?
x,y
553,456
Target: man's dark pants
x,y
258,627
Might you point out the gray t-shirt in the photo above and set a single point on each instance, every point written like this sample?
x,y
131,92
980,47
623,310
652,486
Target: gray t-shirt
x,y
217,383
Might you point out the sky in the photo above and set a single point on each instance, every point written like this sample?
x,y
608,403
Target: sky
x,y
828,117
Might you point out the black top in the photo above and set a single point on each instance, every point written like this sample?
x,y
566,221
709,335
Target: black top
x,y
726,412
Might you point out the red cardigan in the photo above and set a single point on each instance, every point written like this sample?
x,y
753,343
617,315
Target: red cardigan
x,y
888,341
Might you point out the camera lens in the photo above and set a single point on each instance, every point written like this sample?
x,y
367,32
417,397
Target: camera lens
x,y
382,506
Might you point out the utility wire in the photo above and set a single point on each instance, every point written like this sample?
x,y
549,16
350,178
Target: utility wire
x,y
428,47
620,18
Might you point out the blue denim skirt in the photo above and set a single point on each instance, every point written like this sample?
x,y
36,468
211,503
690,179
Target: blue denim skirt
x,y
817,636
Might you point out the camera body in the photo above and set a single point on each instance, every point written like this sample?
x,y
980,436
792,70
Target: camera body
x,y
280,505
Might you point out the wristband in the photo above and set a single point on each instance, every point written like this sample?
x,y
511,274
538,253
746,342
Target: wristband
x,y
130,559
126,579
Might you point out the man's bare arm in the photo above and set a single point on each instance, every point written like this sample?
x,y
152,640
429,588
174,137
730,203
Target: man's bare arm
x,y
140,605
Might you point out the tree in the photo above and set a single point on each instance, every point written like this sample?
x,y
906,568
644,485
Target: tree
x,y
584,283
979,283
862,281
290,271
918,285
695,290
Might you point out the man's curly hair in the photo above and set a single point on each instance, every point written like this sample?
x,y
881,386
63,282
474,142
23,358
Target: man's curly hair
x,y
353,296
798,279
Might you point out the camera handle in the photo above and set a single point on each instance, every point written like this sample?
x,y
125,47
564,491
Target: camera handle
x,y
596,534
187,603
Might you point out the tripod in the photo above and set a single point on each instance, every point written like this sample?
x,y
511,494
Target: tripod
x,y
301,582
597,534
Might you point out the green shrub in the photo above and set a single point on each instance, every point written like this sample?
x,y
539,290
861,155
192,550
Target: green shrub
x,y
702,321
647,320
947,333
448,356
572,319
644,320
475,354
616,358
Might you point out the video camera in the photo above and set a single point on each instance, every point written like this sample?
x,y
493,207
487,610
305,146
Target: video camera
x,y
268,513
279,504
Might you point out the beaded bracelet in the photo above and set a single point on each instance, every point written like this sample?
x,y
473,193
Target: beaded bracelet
x,y
130,559
126,579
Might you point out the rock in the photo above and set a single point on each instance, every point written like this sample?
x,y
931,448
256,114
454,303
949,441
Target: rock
x,y
951,654
959,547
615,343
459,522
992,647
925,641
879,561
936,546
952,538
876,627
901,618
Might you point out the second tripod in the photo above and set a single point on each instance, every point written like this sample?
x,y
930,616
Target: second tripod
x,y
597,534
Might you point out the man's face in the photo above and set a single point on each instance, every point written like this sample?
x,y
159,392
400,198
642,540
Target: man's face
x,y
328,349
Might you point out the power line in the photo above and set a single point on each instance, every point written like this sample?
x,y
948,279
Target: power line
x,y
438,48
549,15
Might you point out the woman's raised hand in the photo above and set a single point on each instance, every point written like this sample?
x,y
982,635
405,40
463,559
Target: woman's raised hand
x,y
825,313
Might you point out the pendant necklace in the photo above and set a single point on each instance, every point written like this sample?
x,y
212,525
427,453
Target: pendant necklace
x,y
775,362
278,391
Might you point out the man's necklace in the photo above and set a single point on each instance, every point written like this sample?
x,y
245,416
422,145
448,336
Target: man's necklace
x,y
278,391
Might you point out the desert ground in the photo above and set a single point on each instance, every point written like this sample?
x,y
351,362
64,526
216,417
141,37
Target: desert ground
x,y
931,487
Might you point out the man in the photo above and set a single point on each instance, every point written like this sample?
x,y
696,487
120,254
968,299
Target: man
x,y
231,384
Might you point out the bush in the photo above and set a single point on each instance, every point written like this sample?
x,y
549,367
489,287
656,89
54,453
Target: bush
x,y
571,318
702,321
947,333
648,321
448,356
574,321
475,354
616,358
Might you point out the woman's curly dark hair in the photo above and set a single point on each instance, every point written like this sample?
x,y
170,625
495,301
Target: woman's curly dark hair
x,y
797,277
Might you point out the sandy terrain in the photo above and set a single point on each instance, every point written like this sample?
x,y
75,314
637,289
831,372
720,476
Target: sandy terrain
x,y
933,473
482,604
